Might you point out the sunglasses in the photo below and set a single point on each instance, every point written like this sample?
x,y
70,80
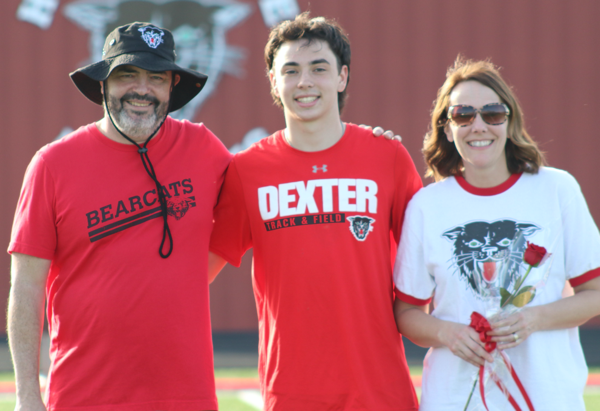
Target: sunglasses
x,y
493,114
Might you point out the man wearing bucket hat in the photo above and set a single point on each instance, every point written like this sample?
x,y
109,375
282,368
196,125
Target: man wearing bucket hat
x,y
120,248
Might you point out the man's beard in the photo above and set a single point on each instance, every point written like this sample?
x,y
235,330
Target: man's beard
x,y
139,126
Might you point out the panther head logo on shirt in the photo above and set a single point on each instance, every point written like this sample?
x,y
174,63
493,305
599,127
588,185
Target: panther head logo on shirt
x,y
178,206
479,243
361,226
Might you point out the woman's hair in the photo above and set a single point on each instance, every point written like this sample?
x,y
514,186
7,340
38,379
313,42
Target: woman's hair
x,y
441,156
311,29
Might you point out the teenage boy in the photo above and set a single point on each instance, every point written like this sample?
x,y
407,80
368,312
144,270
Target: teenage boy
x,y
322,204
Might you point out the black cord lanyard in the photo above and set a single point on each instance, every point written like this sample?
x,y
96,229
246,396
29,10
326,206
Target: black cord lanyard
x,y
150,170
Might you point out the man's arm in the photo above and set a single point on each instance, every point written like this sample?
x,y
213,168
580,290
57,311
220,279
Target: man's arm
x,y
215,265
25,323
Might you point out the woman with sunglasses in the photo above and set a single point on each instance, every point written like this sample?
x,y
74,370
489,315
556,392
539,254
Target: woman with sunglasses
x,y
491,185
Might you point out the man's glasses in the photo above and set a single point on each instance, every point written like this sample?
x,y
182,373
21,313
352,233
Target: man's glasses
x,y
493,114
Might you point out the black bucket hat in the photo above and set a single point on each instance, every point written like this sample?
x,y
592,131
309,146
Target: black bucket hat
x,y
143,45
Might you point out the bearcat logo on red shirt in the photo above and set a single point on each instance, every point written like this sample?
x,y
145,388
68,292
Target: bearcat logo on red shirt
x,y
360,226
178,206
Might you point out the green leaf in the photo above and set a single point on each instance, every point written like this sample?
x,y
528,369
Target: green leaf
x,y
526,288
505,295
524,296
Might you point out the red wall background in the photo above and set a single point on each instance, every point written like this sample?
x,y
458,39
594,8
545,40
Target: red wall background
x,y
401,49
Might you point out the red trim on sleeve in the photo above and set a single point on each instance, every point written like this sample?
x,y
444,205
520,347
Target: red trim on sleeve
x,y
410,299
488,191
584,278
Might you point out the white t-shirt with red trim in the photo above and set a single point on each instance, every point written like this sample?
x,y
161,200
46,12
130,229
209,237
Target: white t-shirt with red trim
x,y
450,229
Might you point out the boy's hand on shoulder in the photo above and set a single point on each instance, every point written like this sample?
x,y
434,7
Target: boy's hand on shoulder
x,y
378,132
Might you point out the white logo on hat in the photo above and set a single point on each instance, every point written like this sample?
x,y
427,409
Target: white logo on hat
x,y
152,38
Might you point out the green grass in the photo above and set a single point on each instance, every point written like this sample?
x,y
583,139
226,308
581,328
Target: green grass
x,y
236,373
7,376
229,402
592,401
9,405
416,369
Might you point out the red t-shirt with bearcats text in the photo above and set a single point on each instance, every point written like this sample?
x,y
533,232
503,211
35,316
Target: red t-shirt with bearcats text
x,y
129,330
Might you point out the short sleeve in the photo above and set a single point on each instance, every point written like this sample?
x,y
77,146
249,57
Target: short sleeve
x,y
231,236
413,283
407,182
581,235
34,225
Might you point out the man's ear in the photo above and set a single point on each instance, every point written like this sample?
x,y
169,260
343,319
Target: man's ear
x,y
343,79
176,79
273,82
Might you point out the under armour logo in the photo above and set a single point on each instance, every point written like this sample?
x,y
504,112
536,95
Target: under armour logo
x,y
323,169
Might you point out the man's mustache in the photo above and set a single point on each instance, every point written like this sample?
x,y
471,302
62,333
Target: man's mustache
x,y
139,97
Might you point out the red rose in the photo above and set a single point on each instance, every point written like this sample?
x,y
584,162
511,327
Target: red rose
x,y
534,254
